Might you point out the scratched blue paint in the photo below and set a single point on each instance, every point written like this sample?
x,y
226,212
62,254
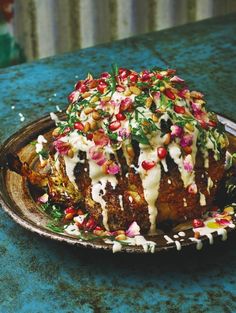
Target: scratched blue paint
x,y
38,275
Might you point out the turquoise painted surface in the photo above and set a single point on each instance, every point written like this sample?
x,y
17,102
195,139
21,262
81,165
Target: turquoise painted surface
x,y
38,275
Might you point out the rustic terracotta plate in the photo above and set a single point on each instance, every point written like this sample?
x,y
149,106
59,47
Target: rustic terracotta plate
x,y
17,199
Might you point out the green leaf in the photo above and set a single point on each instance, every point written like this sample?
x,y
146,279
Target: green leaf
x,y
55,228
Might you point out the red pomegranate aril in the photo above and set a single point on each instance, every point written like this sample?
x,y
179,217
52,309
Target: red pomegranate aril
x,y
90,224
169,94
178,109
159,76
133,77
81,87
114,125
73,96
198,223
182,93
70,210
192,189
102,86
170,72
145,76
98,228
161,153
123,73
204,124
212,123
78,126
120,117
120,89
148,165
105,75
89,136
125,104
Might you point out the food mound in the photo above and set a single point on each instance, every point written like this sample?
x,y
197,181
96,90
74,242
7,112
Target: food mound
x,y
135,147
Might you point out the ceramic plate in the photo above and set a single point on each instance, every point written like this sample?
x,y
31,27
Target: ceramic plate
x,y
18,201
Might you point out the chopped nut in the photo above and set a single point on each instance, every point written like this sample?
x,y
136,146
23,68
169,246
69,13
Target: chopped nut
x,y
93,84
70,153
135,90
43,163
120,232
197,234
96,116
86,127
187,149
94,99
130,150
86,95
155,118
56,132
69,216
148,102
127,92
145,123
121,237
200,101
88,110
106,98
99,232
229,210
189,127
93,125
167,138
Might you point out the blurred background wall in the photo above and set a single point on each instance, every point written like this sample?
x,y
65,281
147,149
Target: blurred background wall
x,y
48,27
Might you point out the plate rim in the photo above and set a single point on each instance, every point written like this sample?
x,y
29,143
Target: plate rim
x,y
47,233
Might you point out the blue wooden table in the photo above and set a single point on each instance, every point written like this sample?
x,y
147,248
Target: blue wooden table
x,y
38,275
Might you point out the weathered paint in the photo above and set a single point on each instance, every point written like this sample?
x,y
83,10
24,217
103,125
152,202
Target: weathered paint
x,y
39,275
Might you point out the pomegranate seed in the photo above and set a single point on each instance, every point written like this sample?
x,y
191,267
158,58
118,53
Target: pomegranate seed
x,y
161,152
198,223
98,228
105,75
90,224
114,125
204,124
120,117
148,165
192,189
73,96
159,76
178,109
123,73
120,88
133,77
125,104
70,210
81,87
79,126
170,72
169,94
182,93
212,123
145,76
89,136
102,86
